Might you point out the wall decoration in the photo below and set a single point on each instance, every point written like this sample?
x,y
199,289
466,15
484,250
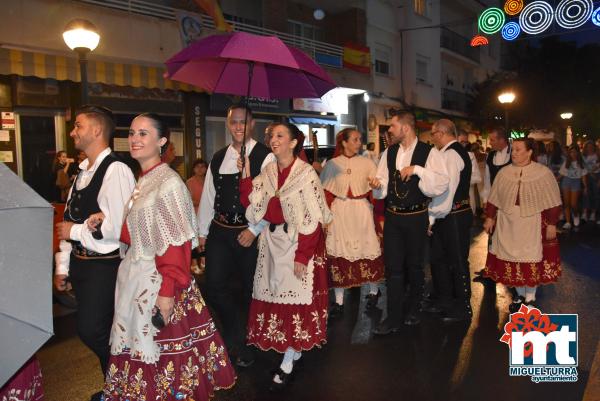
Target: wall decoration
x,y
479,40
511,30
596,17
572,14
513,7
536,17
491,20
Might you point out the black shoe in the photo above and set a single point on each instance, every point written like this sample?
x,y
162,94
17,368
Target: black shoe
x,y
246,358
516,304
285,378
372,300
386,327
336,311
457,318
411,320
433,308
99,396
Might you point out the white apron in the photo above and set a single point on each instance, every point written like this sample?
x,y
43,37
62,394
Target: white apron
x,y
517,238
274,280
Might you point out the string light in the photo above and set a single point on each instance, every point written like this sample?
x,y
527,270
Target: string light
x,y
511,30
491,20
572,14
596,17
513,7
479,40
536,17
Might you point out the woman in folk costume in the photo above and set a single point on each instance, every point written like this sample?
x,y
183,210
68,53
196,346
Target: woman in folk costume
x,y
288,312
353,248
182,357
522,212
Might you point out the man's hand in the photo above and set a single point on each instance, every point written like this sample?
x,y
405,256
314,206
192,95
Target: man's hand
x,y
94,220
407,172
201,244
318,167
550,233
246,166
166,305
246,238
488,225
430,230
60,282
374,183
300,270
63,230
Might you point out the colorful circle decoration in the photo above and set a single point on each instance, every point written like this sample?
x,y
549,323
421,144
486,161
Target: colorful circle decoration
x,y
513,7
596,17
572,14
536,17
491,20
511,30
479,40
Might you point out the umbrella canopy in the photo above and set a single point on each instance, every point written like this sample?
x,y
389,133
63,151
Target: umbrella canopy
x,y
26,271
220,64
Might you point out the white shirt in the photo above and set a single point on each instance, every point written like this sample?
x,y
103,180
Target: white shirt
x,y
116,189
433,178
206,213
501,157
441,205
475,173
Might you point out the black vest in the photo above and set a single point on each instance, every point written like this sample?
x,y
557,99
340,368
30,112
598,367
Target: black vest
x,y
227,186
403,195
84,202
494,168
462,191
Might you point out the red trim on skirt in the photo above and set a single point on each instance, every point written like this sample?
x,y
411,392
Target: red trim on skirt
x,y
193,360
346,274
277,327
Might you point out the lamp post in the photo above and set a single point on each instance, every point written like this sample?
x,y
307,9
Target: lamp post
x,y
82,37
569,137
506,98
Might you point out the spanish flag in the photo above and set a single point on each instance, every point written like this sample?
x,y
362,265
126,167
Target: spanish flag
x,y
357,58
212,8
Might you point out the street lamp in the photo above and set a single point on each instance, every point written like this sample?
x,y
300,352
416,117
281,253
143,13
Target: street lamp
x,y
82,37
506,98
567,116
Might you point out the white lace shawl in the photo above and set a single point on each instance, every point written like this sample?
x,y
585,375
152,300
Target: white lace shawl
x,y
535,185
302,197
344,172
161,214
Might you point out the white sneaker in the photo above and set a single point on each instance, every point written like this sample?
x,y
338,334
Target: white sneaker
x,y
567,226
593,216
584,216
576,221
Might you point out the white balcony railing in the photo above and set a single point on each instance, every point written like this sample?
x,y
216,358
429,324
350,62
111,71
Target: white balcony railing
x,y
311,47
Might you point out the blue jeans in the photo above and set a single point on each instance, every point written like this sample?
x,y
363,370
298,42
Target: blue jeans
x,y
592,199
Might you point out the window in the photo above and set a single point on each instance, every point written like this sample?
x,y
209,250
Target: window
x,y
422,69
304,30
383,59
420,7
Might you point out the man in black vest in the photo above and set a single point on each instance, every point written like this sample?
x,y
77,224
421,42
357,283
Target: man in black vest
x,y
498,158
409,174
229,241
450,218
90,260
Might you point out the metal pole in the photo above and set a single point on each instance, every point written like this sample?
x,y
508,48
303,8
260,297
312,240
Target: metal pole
x,y
83,71
243,150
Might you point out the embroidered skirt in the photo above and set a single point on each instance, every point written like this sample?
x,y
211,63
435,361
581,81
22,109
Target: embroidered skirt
x,y
519,274
277,326
24,385
193,360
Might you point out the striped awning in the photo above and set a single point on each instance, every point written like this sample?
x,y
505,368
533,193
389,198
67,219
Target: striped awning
x,y
63,68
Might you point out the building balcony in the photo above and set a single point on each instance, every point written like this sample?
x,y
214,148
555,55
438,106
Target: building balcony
x,y
323,53
458,44
454,100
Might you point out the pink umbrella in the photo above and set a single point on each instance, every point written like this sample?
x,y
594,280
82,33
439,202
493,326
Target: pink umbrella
x,y
240,63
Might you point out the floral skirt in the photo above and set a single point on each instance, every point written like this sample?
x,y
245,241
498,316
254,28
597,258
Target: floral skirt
x,y
25,385
273,326
519,274
346,274
193,360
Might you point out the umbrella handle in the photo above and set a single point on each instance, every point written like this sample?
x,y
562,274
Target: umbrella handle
x,y
243,150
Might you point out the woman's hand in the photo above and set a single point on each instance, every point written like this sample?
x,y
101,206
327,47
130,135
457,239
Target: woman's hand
x,y
550,233
245,173
165,305
94,220
300,270
488,225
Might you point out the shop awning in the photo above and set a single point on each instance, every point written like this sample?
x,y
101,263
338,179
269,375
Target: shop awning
x,y
61,68
311,120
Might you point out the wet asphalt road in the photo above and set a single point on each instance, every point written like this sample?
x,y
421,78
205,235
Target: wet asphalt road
x,y
431,361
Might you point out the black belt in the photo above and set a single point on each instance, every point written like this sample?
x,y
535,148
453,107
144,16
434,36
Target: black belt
x,y
407,210
231,219
460,206
79,251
